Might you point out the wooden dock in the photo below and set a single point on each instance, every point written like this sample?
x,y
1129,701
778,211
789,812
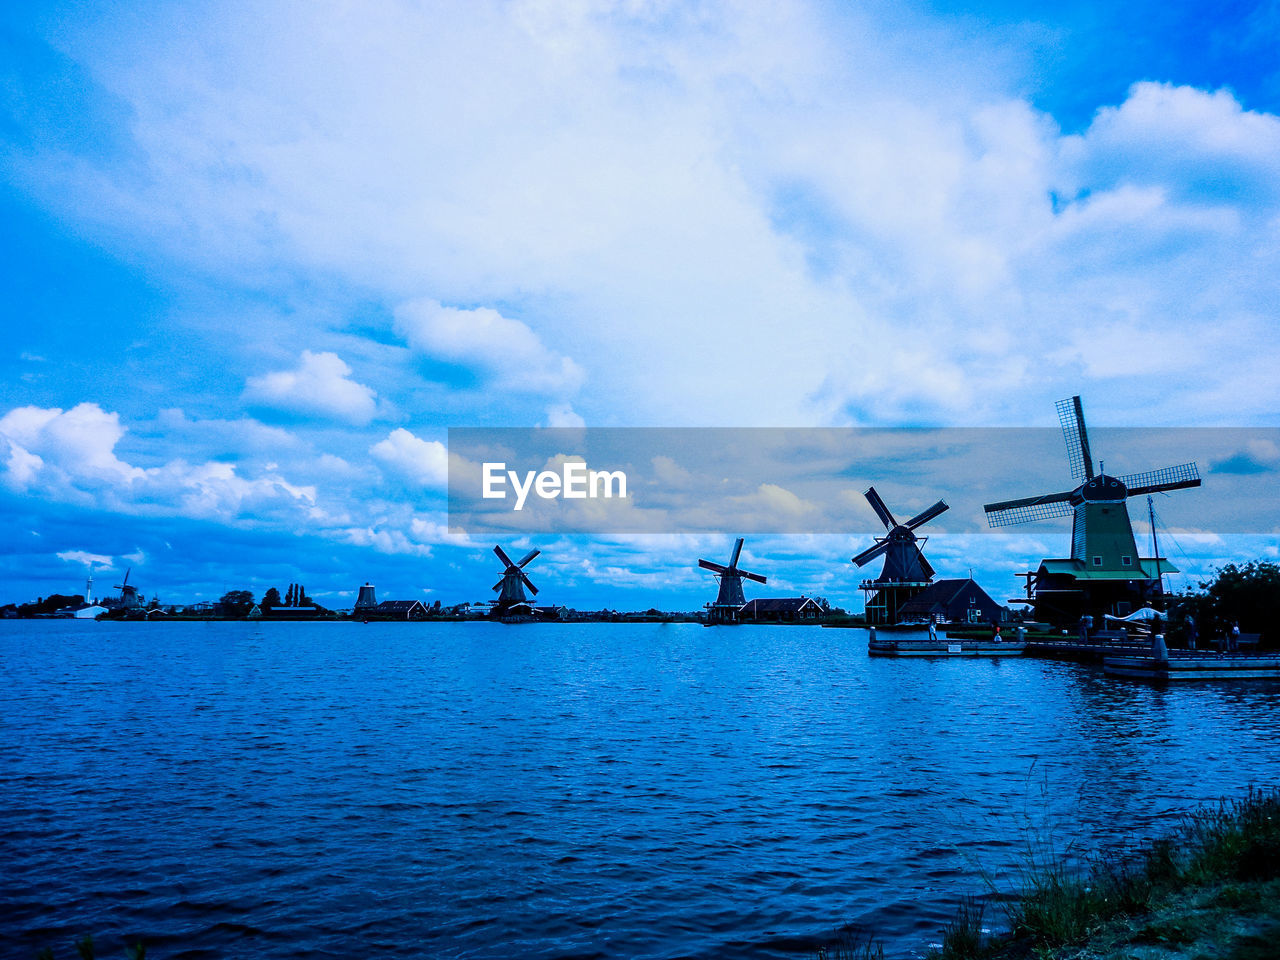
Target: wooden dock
x,y
1195,666
1092,652
887,647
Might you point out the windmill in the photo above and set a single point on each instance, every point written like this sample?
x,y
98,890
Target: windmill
x,y
1104,574
129,598
510,589
906,572
729,598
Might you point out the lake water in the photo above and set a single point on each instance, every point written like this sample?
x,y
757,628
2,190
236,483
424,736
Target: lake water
x,y
540,791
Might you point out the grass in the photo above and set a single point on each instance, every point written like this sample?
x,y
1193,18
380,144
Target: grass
x,y
1210,887
852,943
963,938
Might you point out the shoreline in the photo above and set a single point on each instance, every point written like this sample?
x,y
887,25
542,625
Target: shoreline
x,y
1210,888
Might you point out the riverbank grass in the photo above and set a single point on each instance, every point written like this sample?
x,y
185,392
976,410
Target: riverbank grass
x,y
1210,889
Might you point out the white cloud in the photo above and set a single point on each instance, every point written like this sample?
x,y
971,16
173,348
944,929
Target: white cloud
x,y
510,353
694,202
79,441
83,558
421,461
563,416
1201,144
320,385
69,456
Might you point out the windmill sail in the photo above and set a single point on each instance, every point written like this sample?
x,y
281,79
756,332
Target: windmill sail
x,y
1008,512
1071,417
1181,477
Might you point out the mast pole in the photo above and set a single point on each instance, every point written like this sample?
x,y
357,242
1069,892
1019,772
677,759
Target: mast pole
x,y
1155,543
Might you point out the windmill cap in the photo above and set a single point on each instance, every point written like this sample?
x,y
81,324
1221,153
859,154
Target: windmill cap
x,y
1103,487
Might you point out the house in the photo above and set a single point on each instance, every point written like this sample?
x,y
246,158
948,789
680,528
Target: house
x,y
781,610
400,610
952,601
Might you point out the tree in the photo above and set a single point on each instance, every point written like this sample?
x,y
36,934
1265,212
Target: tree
x,y
272,598
236,603
1249,594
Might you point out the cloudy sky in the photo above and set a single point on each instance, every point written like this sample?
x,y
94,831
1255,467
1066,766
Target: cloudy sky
x,y
259,257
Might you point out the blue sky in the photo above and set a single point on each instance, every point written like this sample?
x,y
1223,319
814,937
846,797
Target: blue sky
x,y
257,259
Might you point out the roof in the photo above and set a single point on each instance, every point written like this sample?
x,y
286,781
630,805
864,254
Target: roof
x,y
778,604
942,593
398,606
1145,569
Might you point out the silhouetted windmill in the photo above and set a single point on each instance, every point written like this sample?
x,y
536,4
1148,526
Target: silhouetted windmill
x,y
129,598
729,599
1104,573
906,572
510,588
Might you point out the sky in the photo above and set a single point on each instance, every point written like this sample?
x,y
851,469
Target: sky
x,y
257,258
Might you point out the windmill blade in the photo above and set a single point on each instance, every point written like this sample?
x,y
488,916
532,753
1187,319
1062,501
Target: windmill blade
x,y
528,583
1156,481
737,552
1007,512
529,556
881,510
871,553
498,586
925,566
1071,416
502,555
926,515
713,567
126,577
752,576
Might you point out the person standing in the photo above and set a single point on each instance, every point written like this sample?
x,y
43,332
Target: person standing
x,y
933,629
1234,645
1191,633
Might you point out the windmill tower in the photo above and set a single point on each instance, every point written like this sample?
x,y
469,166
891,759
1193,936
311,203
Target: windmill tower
x,y
367,598
510,589
1104,573
729,598
129,597
906,572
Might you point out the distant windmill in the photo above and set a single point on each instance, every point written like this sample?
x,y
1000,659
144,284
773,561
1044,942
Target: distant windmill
x,y
1104,573
906,571
129,598
729,598
510,588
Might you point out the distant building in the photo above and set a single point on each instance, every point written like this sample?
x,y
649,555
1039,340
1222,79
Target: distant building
x,y
366,600
400,610
952,601
780,610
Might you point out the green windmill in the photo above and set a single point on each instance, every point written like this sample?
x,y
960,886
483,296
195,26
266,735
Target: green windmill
x,y
1104,574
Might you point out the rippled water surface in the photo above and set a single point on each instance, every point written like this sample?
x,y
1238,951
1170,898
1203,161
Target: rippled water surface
x,y
590,790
